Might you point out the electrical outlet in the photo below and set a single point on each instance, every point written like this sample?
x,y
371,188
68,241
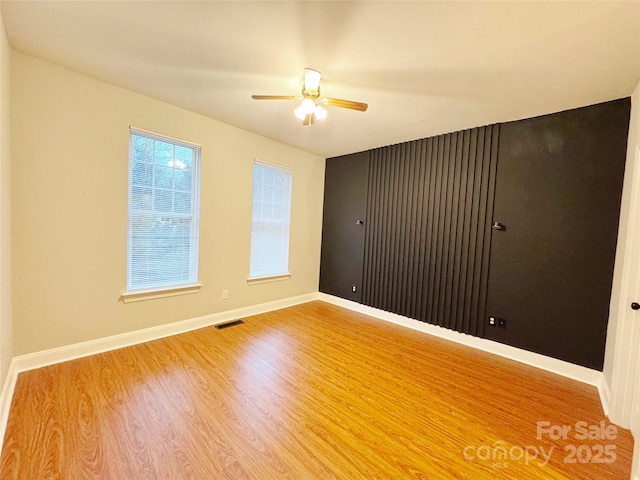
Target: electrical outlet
x,y
225,294
498,322
354,288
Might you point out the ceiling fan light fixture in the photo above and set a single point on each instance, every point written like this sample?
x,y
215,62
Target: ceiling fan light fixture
x,y
309,119
299,113
307,107
309,112
321,113
311,80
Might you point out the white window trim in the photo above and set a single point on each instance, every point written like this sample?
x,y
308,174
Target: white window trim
x,y
137,295
268,278
152,293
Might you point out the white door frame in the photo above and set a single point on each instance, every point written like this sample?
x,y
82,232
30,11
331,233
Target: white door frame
x,y
622,359
626,356
634,290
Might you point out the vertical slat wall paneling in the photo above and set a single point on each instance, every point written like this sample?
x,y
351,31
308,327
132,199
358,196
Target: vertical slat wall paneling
x,y
428,230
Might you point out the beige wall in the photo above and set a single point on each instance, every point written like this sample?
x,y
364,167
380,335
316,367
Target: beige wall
x,y
6,333
69,179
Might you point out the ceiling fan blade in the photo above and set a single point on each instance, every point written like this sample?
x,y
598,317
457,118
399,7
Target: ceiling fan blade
x,y
337,102
275,97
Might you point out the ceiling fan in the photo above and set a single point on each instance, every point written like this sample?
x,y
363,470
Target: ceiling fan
x,y
309,111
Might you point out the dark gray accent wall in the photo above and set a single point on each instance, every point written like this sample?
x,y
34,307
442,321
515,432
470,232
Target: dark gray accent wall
x,y
426,248
558,192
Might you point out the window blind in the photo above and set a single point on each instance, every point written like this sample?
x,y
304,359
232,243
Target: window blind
x,y
164,180
270,220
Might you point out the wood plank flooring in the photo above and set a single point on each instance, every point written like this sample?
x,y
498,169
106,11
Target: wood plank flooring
x,y
308,392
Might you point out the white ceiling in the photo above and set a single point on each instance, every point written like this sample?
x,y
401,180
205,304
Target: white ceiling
x,y
424,68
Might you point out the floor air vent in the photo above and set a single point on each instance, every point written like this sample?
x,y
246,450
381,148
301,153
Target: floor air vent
x,y
229,324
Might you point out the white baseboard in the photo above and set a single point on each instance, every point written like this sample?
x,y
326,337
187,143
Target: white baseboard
x,y
566,369
31,361
92,347
605,395
5,399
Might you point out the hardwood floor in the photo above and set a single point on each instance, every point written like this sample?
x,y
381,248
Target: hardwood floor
x,y
308,392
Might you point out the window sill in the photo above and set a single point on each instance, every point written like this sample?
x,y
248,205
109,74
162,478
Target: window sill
x,y
268,279
140,295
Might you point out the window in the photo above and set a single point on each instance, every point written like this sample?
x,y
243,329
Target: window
x,y
164,180
270,221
